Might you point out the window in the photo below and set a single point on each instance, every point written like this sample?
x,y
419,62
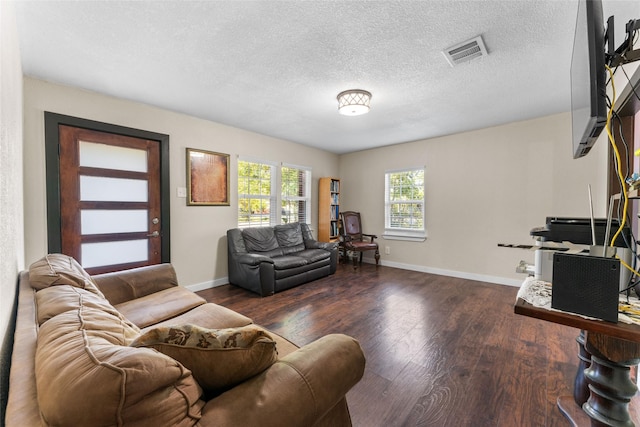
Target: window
x,y
296,194
255,198
404,204
258,196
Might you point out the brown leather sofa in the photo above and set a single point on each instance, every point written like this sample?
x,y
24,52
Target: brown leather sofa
x,y
73,362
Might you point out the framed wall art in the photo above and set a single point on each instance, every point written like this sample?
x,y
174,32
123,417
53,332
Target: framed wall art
x,y
207,178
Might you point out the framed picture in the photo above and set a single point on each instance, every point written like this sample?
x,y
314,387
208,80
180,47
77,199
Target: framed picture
x,y
207,178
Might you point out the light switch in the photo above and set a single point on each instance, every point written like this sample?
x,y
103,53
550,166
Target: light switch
x,y
182,192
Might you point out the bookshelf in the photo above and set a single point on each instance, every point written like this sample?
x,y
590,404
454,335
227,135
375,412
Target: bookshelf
x,y
328,209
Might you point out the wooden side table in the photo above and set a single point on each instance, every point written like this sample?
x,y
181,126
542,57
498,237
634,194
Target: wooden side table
x,y
603,386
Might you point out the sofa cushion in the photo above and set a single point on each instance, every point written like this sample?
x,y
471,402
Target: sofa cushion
x,y
288,261
60,299
261,240
121,286
59,269
87,375
207,315
218,358
160,306
301,271
314,255
289,237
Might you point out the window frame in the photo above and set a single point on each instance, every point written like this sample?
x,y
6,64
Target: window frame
x,y
249,196
306,197
403,233
276,197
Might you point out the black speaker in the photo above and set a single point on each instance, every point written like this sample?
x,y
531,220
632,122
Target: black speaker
x,y
586,285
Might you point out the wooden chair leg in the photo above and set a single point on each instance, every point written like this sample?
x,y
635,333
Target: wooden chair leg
x,y
377,257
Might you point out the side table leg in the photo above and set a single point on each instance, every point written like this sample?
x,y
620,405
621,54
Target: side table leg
x,y
571,406
580,386
611,391
610,384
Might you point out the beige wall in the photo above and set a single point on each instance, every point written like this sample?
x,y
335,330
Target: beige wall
x,y
482,188
11,222
198,239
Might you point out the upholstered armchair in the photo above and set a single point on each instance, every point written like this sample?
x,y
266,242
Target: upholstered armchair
x,y
352,239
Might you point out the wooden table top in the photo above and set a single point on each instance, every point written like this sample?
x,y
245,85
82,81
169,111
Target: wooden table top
x,y
620,330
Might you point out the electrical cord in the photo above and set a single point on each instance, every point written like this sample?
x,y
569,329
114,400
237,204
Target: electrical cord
x,y
618,162
631,245
625,198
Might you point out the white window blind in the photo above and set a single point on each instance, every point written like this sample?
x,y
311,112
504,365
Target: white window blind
x,y
296,194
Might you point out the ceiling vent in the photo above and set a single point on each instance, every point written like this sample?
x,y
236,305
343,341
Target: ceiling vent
x,y
465,51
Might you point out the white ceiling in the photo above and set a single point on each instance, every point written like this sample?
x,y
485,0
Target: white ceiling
x,y
275,67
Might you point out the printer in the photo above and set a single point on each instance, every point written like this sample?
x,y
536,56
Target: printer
x,y
575,235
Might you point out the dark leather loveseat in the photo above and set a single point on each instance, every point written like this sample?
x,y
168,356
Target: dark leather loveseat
x,y
266,260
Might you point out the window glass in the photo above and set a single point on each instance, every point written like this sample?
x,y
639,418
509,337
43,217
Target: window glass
x,y
295,197
97,221
404,202
106,189
112,253
105,156
255,197
258,194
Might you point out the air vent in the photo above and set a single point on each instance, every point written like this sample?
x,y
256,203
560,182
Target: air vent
x,y
465,51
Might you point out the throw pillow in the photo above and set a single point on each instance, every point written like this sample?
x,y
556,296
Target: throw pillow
x,y
86,375
218,358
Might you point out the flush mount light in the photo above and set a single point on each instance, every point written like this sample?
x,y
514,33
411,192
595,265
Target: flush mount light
x,y
354,102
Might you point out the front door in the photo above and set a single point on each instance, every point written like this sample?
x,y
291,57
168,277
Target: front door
x,y
110,210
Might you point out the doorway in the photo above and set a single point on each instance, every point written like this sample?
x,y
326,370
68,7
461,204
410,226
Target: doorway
x,y
107,193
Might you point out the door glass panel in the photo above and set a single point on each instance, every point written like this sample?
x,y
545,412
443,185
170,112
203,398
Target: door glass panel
x,y
104,156
113,221
96,188
110,253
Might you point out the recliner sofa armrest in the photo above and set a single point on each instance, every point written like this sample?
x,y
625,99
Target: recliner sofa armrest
x,y
311,243
126,285
327,246
252,259
297,390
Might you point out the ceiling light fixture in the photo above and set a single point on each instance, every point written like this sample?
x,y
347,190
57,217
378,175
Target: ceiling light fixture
x,y
354,102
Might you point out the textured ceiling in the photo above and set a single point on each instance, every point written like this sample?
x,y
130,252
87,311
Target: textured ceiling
x,y
275,67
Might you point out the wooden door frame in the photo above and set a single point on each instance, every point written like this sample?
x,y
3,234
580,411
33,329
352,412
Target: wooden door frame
x,y
52,175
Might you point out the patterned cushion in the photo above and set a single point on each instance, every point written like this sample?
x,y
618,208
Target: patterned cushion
x,y
217,358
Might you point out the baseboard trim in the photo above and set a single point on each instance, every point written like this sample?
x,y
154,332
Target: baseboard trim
x,y
439,271
451,273
208,284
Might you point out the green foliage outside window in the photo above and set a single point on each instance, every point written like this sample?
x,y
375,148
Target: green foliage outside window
x,y
256,201
405,199
254,193
293,194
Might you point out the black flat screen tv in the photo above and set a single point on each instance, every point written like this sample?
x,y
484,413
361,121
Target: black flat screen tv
x,y
588,77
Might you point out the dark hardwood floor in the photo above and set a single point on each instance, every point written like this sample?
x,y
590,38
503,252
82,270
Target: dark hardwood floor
x,y
440,351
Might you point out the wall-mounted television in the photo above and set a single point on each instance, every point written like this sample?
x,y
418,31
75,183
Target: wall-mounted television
x,y
588,77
